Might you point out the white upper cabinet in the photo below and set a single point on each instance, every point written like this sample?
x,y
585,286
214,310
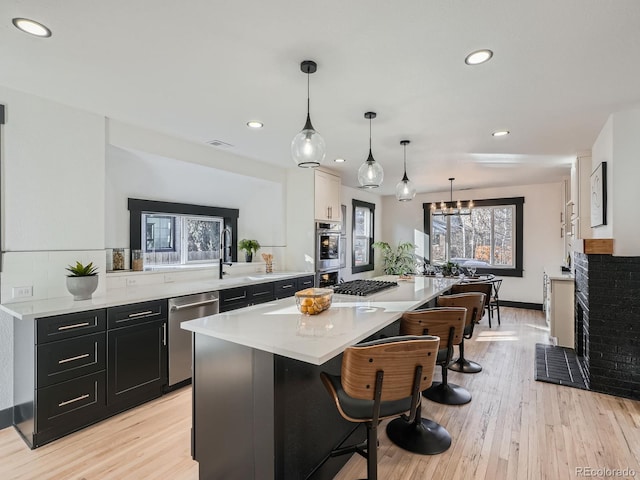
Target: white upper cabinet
x,y
579,207
327,197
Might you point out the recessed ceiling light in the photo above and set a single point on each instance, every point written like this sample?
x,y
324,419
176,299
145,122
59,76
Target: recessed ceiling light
x,y
32,27
339,160
255,124
500,133
478,57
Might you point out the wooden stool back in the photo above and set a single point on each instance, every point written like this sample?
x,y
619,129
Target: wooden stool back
x,y
473,302
439,321
478,287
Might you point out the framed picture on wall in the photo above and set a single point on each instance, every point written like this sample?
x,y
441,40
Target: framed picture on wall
x,y
599,195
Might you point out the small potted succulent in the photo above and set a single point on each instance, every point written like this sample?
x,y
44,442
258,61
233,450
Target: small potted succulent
x,y
82,280
250,247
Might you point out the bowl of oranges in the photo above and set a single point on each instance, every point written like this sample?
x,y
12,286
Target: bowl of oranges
x,y
312,301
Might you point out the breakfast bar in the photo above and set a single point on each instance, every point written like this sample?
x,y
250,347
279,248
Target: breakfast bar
x,y
259,408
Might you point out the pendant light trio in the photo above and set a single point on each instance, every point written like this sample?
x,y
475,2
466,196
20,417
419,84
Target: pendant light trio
x,y
308,150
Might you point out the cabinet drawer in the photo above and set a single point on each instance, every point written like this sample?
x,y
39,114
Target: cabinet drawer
x,y
126,315
305,282
70,405
285,288
50,329
68,359
260,293
233,298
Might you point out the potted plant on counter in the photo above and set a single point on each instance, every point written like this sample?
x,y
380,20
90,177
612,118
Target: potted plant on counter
x,y
250,247
82,281
397,261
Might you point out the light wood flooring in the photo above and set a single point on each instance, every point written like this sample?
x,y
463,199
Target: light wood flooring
x,y
514,428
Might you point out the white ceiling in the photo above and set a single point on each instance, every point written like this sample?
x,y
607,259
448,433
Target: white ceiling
x,y
200,69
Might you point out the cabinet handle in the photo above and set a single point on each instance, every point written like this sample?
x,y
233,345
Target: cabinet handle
x,y
235,298
286,286
164,333
260,293
139,314
330,210
77,357
75,325
77,399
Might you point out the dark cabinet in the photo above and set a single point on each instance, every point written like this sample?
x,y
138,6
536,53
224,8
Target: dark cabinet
x,y
261,293
285,288
59,374
234,298
305,282
136,354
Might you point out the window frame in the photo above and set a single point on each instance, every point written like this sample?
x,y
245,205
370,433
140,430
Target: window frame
x,y
137,207
518,202
372,209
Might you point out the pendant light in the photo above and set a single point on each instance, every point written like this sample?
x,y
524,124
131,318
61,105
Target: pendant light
x,y
405,191
370,174
452,208
307,147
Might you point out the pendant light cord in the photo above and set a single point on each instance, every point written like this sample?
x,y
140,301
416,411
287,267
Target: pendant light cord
x,y
369,134
308,102
405,159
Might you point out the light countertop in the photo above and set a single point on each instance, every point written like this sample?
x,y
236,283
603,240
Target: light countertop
x,y
556,273
277,327
141,293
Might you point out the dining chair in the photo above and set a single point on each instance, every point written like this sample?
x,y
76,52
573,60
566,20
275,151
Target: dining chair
x,y
494,302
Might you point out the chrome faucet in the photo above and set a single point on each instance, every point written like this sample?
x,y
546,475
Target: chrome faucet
x,y
225,249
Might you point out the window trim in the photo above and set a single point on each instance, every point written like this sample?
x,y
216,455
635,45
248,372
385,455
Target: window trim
x,y
137,207
371,265
518,270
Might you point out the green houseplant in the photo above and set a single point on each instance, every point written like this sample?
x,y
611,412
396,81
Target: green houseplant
x,y
82,280
250,247
397,261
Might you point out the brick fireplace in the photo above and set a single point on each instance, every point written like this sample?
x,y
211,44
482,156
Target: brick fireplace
x,y
607,322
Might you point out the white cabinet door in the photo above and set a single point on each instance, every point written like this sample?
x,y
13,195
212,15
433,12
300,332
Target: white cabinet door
x,y
327,197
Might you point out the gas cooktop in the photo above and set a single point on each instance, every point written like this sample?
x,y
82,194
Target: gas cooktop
x,y
362,287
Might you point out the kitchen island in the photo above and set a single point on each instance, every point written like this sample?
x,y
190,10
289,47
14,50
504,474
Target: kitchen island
x,y
260,410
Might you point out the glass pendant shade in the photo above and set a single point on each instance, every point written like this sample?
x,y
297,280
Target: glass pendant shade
x,y
307,147
370,173
405,191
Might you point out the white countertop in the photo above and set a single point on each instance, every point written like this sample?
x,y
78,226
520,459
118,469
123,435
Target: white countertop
x,y
142,293
277,327
556,273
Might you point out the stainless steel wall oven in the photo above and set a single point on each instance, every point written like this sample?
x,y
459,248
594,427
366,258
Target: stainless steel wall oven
x,y
327,253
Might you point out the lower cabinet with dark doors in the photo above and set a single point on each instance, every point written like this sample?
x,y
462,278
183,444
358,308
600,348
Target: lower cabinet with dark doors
x,y
287,288
136,354
66,391
88,366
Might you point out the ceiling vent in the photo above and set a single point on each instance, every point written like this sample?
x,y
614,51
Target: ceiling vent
x,y
219,144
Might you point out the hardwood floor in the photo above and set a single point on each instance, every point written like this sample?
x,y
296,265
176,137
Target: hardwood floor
x,y
514,428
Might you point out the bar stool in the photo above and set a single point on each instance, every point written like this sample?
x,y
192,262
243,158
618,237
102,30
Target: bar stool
x,y
381,379
448,324
474,303
422,435
477,287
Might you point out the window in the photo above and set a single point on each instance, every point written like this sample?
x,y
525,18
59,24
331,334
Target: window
x,y
362,238
489,239
175,233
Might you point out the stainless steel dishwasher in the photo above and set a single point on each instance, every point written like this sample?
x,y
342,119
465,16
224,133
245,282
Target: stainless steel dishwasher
x,y
182,309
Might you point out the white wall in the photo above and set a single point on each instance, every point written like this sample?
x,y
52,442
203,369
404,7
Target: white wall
x,y
543,245
624,190
152,177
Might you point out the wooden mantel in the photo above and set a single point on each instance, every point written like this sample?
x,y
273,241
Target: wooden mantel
x,y
598,246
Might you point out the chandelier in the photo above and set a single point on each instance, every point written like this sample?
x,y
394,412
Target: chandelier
x,y
452,208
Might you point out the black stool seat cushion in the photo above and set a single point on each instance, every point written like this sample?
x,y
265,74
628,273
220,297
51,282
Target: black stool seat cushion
x,y
363,409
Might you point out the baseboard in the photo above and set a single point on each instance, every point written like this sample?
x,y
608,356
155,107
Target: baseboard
x,y
6,418
526,305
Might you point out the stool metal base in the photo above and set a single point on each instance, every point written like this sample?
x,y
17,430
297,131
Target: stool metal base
x,y
449,394
425,437
465,366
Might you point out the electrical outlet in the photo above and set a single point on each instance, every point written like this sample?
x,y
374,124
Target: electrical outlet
x,y
168,278
22,292
131,281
